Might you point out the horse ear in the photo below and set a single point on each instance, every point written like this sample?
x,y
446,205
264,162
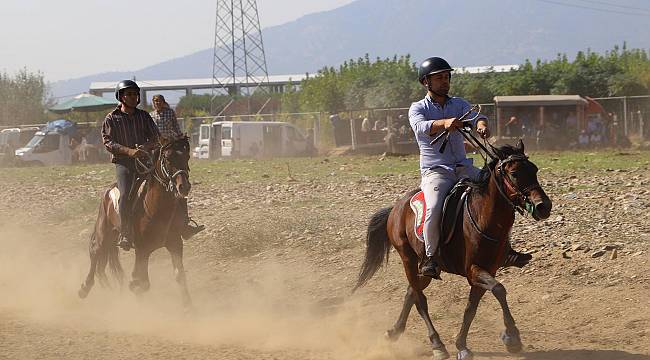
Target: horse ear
x,y
520,145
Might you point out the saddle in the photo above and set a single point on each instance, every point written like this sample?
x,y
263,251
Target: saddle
x,y
453,205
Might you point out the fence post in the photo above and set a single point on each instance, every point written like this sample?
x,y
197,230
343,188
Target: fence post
x,y
625,131
641,126
353,131
317,131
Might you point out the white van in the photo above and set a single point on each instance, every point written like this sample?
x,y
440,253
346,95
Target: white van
x,y
46,148
250,139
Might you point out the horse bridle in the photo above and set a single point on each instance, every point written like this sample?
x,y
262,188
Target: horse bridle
x,y
165,179
523,205
518,198
515,192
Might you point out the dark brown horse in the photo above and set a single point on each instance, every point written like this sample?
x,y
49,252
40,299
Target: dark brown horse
x,y
157,222
477,247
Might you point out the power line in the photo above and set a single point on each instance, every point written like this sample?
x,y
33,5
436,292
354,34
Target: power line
x,y
615,5
593,8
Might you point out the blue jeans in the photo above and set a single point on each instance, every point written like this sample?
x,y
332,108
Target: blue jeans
x,y
435,185
125,173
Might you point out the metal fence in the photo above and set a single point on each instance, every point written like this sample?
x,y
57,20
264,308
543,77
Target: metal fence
x,y
630,112
379,127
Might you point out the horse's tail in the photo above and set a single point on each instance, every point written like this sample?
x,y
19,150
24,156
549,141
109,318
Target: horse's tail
x,y
113,254
106,250
377,246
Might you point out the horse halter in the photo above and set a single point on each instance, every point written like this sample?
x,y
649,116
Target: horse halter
x,y
517,198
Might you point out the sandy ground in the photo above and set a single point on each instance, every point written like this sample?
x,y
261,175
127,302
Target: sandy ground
x,y
271,277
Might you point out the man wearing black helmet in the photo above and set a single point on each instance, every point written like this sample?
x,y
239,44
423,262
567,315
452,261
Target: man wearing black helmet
x,y
123,129
440,171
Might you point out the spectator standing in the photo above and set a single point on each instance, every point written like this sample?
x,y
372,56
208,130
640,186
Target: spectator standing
x,y
165,118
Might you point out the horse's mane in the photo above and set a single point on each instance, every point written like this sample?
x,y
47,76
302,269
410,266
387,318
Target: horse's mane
x,y
502,152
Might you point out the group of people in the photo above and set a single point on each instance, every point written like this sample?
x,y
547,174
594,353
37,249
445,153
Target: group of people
x,y
593,135
554,133
129,133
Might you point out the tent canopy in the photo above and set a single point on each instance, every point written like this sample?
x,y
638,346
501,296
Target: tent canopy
x,y
84,102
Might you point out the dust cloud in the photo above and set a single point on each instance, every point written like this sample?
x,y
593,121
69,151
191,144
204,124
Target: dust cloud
x,y
275,312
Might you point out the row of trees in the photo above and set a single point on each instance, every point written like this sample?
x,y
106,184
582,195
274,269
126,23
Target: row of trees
x,y
22,98
362,83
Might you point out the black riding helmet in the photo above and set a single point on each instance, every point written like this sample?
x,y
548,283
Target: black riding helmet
x,y
125,84
433,65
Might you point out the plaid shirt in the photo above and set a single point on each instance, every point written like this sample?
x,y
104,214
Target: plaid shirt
x,y
121,131
167,123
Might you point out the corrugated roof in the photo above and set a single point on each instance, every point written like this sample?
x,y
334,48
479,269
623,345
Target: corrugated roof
x,y
539,100
486,68
204,83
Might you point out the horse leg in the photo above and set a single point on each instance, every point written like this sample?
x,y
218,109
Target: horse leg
x,y
101,272
90,278
510,336
397,330
176,251
140,282
475,295
418,284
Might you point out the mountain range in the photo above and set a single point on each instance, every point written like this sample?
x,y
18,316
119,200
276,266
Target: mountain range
x,y
465,32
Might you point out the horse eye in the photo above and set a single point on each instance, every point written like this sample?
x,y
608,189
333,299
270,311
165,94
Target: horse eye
x,y
179,152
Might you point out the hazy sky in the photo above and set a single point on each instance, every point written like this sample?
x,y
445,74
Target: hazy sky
x,y
72,38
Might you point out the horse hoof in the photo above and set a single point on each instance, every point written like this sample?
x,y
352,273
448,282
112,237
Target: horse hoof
x,y
512,342
465,355
189,311
392,335
440,354
138,287
82,293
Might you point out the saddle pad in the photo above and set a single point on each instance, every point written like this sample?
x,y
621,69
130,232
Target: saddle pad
x,y
114,194
419,207
451,209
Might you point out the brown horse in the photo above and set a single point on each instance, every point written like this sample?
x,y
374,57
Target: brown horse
x,y
477,247
157,222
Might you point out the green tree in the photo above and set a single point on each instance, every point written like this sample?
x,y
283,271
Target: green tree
x,y
22,98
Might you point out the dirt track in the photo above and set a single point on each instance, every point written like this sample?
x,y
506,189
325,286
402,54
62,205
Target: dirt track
x,y
271,278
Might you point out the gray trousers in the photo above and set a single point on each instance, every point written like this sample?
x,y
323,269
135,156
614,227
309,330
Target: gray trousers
x,y
435,185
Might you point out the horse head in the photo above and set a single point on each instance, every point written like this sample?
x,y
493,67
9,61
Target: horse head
x,y
174,165
519,181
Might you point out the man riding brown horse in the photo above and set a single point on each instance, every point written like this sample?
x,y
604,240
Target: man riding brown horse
x,y
441,169
129,133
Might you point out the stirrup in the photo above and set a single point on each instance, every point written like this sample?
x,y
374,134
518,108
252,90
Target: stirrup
x,y
192,228
435,268
124,243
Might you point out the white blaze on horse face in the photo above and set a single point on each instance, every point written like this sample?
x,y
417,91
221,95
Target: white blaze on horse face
x,y
183,186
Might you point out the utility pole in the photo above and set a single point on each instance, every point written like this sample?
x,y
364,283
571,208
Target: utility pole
x,y
239,63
